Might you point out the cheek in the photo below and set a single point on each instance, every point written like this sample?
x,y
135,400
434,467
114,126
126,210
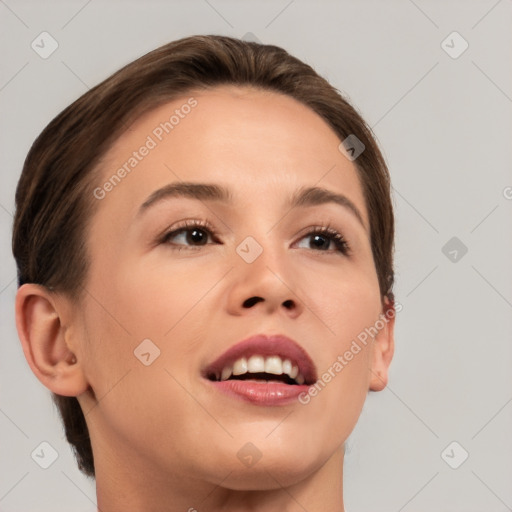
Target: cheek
x,y
131,301
130,396
347,310
149,297
170,305
163,298
345,301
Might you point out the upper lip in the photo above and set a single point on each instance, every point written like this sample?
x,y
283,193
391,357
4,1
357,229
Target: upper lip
x,y
266,345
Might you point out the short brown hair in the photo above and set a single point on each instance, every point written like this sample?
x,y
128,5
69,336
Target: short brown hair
x,y
54,196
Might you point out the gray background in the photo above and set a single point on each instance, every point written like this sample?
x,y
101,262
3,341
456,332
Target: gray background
x,y
445,127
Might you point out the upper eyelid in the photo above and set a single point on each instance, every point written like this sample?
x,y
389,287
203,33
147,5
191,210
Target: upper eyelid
x,y
186,225
327,228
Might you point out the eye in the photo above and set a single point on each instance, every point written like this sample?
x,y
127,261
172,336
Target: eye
x,y
195,233
322,238
192,233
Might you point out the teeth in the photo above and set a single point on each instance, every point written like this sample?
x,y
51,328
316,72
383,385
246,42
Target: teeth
x,y
226,373
240,366
256,364
274,365
259,364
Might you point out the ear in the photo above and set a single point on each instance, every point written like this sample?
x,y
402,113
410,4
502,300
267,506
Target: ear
x,y
383,347
42,323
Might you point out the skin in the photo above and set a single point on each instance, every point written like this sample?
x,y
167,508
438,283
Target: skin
x,y
162,437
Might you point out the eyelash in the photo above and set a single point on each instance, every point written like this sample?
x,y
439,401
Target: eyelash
x,y
337,238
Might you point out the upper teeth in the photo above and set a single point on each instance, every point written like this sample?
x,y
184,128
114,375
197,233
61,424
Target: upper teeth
x,y
260,364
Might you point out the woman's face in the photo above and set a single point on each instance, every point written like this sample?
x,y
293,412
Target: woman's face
x,y
160,308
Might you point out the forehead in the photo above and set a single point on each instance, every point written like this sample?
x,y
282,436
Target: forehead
x,y
248,139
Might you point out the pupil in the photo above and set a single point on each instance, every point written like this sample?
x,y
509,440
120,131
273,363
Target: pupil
x,y
321,239
196,236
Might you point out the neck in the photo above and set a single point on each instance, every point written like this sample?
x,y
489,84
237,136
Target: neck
x,y
125,483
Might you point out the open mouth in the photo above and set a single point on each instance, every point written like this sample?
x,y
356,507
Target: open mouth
x,y
264,370
260,369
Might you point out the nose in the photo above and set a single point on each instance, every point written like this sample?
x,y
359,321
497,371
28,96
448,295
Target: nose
x,y
263,287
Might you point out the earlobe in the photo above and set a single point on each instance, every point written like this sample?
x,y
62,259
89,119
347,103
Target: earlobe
x,y
383,348
42,332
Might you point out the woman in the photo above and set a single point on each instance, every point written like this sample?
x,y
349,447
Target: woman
x,y
204,245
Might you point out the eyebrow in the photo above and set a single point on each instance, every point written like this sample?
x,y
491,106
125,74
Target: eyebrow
x,y
304,197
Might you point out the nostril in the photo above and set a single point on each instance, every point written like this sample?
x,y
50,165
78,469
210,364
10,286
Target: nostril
x,y
250,302
288,304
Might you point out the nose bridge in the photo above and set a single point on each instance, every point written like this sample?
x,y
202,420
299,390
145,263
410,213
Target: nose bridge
x,y
256,254
263,252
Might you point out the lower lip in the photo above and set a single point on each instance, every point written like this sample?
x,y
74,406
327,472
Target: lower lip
x,y
260,393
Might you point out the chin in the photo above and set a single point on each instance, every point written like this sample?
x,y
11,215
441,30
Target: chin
x,y
268,475
264,467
